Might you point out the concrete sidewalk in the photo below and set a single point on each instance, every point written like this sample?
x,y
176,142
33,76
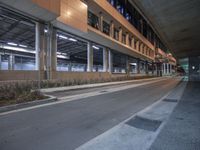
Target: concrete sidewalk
x,y
78,87
140,130
182,131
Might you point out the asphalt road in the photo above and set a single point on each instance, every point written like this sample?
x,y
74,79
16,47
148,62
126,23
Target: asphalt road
x,y
68,125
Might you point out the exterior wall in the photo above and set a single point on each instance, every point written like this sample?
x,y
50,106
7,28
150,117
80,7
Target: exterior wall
x,y
119,18
74,14
51,5
81,75
19,75
46,10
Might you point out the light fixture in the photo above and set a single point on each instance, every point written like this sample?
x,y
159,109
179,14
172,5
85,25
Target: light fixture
x,y
63,37
133,64
11,43
72,39
95,47
18,49
45,30
22,45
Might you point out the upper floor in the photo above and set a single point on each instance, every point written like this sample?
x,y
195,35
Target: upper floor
x,y
99,21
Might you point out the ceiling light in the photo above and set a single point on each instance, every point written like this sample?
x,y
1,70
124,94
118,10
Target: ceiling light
x,y
95,47
45,30
63,37
13,44
22,45
73,40
134,64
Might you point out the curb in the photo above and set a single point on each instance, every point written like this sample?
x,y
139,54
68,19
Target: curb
x,y
87,86
27,104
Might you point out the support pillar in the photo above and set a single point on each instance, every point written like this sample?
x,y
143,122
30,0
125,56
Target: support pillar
x,y
105,60
170,69
11,62
39,45
127,39
110,61
145,50
101,21
54,53
89,57
0,61
164,69
146,68
138,45
127,66
133,43
112,29
167,69
138,66
40,51
141,47
70,67
51,52
120,34
154,68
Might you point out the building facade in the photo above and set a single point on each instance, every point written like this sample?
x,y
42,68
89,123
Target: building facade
x,y
64,39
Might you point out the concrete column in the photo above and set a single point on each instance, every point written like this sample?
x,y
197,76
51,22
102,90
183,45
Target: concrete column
x,y
127,39
70,67
171,69
138,66
39,45
167,69
0,61
105,60
110,61
133,42
11,62
146,68
120,34
164,69
138,45
112,29
156,69
51,52
89,57
141,47
54,51
145,49
149,52
101,21
153,68
127,66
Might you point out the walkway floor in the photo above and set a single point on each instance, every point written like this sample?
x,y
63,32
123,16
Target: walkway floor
x,y
182,130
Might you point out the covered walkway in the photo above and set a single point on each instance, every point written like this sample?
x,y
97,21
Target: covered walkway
x,y
182,131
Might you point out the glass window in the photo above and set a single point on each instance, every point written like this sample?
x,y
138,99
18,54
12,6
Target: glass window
x,y
4,62
130,41
124,38
24,63
116,34
106,28
93,20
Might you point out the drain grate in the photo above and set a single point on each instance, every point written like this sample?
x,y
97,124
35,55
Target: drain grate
x,y
170,100
143,123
